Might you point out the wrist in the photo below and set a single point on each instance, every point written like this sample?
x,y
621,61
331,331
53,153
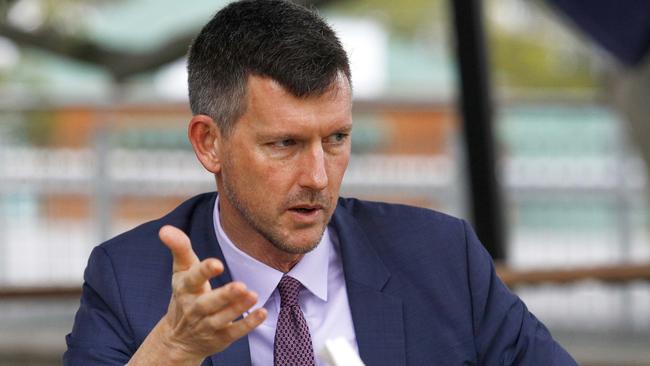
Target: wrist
x,y
176,352
159,348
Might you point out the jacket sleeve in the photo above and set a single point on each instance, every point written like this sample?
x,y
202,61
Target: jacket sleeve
x,y
505,332
101,334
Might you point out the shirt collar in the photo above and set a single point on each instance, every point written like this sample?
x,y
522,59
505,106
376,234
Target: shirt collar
x,y
311,271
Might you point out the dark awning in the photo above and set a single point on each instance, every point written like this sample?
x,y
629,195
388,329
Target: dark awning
x,y
620,27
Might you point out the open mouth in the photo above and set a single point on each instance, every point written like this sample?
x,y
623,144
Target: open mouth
x,y
305,210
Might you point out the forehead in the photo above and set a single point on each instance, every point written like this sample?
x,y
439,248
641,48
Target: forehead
x,y
271,106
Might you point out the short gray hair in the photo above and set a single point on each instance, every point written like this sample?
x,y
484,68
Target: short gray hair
x,y
269,38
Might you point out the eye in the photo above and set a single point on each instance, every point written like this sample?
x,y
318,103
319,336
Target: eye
x,y
337,138
284,143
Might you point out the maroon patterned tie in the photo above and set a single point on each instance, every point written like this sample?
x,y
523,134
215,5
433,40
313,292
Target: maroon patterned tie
x,y
292,340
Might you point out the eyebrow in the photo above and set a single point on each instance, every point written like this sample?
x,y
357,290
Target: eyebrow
x,y
347,128
280,135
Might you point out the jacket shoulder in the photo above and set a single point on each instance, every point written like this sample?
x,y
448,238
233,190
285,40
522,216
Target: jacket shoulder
x,y
144,237
140,266
399,218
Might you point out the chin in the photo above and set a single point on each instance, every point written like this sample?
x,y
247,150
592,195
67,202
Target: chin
x,y
296,249
300,244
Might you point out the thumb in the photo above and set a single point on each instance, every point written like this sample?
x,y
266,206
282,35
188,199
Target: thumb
x,y
180,246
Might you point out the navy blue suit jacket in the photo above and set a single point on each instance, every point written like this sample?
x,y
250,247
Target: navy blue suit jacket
x,y
422,291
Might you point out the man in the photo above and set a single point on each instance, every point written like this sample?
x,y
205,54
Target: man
x,y
275,264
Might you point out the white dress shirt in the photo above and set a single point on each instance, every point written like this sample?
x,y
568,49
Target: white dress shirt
x,y
324,300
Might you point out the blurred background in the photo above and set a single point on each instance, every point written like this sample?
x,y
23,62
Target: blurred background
x,y
93,117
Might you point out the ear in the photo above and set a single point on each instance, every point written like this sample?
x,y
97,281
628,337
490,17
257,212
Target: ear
x,y
205,136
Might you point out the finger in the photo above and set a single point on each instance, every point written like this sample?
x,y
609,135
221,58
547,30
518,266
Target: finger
x,y
233,310
246,325
196,278
180,246
219,298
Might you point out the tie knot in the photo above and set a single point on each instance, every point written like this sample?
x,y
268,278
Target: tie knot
x,y
289,288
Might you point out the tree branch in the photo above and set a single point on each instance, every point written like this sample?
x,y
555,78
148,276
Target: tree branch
x,y
119,64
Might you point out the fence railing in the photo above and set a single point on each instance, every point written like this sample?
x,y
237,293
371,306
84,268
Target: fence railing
x,y
429,180
511,277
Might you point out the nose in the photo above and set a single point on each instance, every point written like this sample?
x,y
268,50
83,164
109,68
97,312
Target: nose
x,y
314,172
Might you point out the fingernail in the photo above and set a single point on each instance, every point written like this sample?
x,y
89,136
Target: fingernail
x,y
261,315
236,286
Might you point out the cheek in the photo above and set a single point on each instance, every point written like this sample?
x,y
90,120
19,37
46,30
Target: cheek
x,y
337,167
258,168
277,177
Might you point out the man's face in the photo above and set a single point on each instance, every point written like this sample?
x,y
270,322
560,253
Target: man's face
x,y
282,165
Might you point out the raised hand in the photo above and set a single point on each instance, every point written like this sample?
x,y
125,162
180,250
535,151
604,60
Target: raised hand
x,y
200,320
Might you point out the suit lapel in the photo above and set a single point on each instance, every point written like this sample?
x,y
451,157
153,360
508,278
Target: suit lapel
x,y
204,243
377,316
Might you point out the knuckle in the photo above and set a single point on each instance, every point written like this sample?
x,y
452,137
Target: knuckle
x,y
216,325
204,272
179,284
176,284
250,322
231,332
200,308
220,296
